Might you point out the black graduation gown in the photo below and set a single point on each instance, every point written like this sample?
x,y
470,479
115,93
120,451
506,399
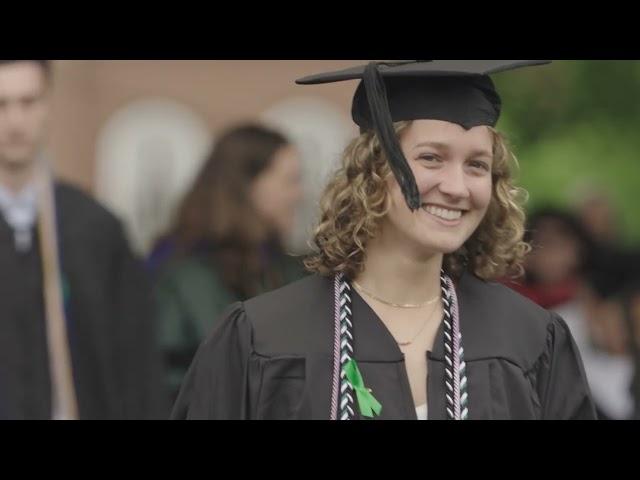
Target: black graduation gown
x,y
271,358
116,365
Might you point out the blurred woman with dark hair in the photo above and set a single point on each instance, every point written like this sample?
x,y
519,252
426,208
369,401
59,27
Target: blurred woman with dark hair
x,y
228,241
562,255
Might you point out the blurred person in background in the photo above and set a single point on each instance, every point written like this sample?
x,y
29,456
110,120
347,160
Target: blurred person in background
x,y
569,273
597,214
228,241
77,337
615,283
615,262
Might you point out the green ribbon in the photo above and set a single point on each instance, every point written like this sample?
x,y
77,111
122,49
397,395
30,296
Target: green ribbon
x,y
367,403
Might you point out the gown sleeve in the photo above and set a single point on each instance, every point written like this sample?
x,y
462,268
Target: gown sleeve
x,y
561,380
216,385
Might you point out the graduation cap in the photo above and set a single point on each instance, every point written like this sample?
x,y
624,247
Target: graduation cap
x,y
456,91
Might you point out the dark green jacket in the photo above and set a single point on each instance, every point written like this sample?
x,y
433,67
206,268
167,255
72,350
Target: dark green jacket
x,y
190,296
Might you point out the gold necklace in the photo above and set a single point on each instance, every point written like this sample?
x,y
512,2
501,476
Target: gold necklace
x,y
406,344
391,304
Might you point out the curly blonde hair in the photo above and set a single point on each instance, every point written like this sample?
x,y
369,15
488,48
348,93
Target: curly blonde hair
x,y
355,202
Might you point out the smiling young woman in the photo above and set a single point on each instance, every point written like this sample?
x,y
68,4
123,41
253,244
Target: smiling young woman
x,y
401,318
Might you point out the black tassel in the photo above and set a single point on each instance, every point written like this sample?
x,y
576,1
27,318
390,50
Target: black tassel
x,y
383,126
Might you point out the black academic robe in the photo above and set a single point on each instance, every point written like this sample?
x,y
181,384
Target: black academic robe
x,y
271,358
116,364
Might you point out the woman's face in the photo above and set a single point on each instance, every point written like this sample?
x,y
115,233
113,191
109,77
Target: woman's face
x,y
276,192
452,167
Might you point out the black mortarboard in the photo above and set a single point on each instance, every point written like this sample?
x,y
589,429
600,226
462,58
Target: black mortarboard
x,y
456,91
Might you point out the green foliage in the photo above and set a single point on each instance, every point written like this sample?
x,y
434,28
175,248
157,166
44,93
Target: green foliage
x,y
577,122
